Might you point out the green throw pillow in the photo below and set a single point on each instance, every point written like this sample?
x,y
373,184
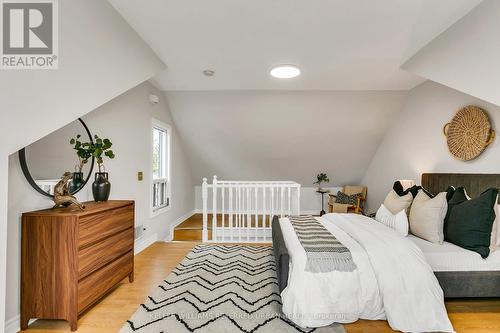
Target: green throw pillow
x,y
468,223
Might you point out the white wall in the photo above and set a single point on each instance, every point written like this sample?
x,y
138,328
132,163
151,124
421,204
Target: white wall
x,y
4,171
100,57
310,201
126,120
283,135
465,57
415,143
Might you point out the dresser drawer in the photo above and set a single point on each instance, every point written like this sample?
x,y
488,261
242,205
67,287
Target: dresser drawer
x,y
96,256
95,227
94,286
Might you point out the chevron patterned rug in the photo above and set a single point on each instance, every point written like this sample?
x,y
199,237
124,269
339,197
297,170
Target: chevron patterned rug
x,y
219,289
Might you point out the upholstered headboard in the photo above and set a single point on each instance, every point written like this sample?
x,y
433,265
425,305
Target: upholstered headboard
x,y
474,183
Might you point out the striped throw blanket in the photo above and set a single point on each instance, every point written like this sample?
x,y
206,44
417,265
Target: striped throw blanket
x,y
325,253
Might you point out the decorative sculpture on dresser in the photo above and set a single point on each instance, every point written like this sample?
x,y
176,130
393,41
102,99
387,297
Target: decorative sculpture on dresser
x,y
62,195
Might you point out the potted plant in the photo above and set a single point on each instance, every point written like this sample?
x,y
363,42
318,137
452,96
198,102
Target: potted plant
x,y
100,149
83,154
321,178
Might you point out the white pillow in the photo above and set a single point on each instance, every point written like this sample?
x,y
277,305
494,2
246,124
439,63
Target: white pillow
x,y
394,203
398,222
427,216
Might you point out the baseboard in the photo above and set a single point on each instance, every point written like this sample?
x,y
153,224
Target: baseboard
x,y
13,325
144,242
170,235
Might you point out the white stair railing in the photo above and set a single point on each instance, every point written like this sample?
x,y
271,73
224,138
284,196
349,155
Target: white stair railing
x,y
246,208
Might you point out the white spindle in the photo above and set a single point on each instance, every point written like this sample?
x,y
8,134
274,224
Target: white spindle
x,y
272,202
298,200
214,208
242,211
230,214
249,214
204,195
289,201
237,198
256,190
282,201
240,224
263,213
223,189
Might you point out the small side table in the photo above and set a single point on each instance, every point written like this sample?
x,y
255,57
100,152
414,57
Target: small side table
x,y
322,201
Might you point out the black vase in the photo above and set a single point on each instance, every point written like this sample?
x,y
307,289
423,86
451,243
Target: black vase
x,y
101,187
76,183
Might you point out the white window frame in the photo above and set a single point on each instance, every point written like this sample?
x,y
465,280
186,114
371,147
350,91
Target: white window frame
x,y
155,123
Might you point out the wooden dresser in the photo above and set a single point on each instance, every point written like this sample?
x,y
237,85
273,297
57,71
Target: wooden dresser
x,y
72,258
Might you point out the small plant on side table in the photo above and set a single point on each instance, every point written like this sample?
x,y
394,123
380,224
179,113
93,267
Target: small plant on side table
x,y
321,178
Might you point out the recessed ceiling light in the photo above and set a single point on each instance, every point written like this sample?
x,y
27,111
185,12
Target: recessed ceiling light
x,y
208,72
285,71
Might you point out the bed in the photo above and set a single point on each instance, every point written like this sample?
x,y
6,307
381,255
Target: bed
x,y
391,280
459,272
482,280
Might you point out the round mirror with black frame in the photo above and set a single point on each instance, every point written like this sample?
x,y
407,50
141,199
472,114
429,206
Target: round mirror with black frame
x,y
45,161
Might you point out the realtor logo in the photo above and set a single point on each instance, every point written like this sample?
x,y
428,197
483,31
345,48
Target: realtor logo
x,y
29,34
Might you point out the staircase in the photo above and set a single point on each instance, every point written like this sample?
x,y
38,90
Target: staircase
x,y
191,229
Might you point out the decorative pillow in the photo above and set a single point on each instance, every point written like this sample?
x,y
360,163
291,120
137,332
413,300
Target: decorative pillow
x,y
494,239
495,230
461,196
394,203
449,194
398,222
398,188
343,198
427,216
470,222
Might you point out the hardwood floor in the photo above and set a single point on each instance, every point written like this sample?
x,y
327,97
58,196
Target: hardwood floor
x,y
155,263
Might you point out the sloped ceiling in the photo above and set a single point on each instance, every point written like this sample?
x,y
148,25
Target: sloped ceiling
x,y
100,57
339,44
466,56
242,123
285,135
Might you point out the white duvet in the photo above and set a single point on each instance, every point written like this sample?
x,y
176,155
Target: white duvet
x,y
392,280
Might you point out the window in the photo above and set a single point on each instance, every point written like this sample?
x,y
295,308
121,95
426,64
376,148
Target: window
x,y
160,167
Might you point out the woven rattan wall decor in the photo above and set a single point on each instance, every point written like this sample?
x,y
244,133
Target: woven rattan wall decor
x,y
469,133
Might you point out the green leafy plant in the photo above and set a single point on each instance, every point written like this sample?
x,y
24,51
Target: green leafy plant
x,y
82,151
321,178
101,148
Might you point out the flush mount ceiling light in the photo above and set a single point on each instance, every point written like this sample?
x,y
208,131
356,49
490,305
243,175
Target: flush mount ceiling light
x,y
285,71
